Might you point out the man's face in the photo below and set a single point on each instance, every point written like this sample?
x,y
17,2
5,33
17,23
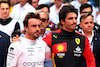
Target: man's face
x,y
87,24
22,2
4,10
86,10
35,3
44,20
33,29
70,22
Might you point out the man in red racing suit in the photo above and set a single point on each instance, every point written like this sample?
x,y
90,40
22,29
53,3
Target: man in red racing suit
x,y
68,46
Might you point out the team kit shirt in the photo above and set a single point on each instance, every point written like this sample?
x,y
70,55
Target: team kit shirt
x,y
68,48
28,53
9,25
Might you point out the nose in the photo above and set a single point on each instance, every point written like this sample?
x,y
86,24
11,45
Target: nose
x,y
75,20
5,10
37,28
41,22
89,24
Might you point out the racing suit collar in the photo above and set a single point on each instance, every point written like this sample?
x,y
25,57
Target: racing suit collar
x,y
68,33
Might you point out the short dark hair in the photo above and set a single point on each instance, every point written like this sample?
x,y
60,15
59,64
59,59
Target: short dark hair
x,y
83,6
65,10
84,16
5,2
43,5
28,16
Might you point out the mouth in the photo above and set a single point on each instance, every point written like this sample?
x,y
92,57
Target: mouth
x,y
37,33
74,24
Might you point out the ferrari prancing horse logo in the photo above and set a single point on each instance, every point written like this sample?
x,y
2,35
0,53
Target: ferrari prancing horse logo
x,y
77,40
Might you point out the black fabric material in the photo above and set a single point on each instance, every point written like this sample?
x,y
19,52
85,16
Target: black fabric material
x,y
68,60
4,44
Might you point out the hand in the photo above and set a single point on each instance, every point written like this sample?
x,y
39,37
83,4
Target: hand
x,y
16,38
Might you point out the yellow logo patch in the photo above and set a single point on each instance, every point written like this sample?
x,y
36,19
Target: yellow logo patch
x,y
60,48
55,36
77,40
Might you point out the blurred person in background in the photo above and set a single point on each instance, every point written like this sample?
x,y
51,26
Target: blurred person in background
x,y
77,5
34,3
87,25
98,18
87,8
46,8
7,24
12,3
54,11
20,10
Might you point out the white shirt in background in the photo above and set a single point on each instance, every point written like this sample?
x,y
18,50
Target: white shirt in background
x,y
19,13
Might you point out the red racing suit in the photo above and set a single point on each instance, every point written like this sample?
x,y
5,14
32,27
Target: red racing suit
x,y
68,48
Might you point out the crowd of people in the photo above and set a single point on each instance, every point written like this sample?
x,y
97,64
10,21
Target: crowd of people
x,y
49,33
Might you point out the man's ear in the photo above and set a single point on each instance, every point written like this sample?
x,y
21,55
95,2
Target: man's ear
x,y
48,22
25,28
62,22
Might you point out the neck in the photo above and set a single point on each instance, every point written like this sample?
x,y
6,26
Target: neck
x,y
58,7
29,37
88,34
42,32
22,5
68,30
5,17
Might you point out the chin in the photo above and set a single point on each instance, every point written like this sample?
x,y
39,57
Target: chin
x,y
35,37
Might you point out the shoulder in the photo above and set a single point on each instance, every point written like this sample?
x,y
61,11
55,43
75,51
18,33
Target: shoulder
x,y
41,41
57,31
4,35
17,44
16,6
80,34
28,6
97,35
14,20
52,7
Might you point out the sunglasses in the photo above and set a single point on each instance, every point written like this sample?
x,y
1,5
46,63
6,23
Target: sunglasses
x,y
87,12
43,19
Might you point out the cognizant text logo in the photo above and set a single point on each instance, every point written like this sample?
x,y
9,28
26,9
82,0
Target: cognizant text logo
x,y
33,64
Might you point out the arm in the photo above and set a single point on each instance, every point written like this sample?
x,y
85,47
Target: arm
x,y
12,56
90,60
48,39
48,55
